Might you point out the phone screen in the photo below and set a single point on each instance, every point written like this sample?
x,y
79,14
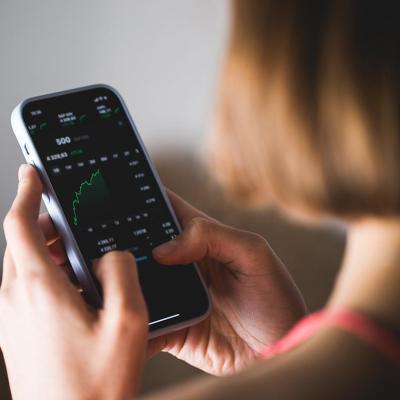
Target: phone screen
x,y
110,196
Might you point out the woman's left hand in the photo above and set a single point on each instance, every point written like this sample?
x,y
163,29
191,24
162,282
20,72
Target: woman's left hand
x,y
55,346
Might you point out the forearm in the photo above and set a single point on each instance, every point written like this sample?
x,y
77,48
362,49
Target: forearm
x,y
332,365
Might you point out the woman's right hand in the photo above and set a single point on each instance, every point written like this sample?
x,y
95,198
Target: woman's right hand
x,y
254,299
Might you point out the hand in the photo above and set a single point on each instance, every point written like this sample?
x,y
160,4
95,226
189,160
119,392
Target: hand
x,y
54,345
254,298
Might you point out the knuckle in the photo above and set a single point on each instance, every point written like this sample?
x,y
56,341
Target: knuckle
x,y
9,298
5,298
200,226
257,247
39,289
31,279
38,274
13,218
258,241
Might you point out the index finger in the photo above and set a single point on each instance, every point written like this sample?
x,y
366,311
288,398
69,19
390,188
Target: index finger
x,y
49,231
24,237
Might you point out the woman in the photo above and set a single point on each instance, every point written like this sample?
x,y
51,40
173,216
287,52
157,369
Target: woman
x,y
308,119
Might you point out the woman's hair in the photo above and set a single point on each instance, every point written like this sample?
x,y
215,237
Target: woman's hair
x,y
308,109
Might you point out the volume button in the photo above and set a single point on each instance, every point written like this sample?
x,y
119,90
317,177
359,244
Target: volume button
x,y
26,148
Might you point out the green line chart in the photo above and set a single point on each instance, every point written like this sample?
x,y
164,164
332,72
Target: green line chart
x,y
91,196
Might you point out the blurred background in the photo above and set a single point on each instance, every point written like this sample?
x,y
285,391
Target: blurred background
x,y
164,58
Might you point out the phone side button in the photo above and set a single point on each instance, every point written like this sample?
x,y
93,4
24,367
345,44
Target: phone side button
x,y
26,148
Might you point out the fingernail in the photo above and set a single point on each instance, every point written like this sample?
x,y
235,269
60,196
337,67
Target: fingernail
x,y
21,171
166,248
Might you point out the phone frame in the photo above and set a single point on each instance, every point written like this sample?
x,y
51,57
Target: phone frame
x,y
59,219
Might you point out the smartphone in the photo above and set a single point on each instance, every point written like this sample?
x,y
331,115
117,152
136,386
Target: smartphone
x,y
103,193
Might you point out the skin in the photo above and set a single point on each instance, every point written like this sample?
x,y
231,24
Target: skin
x,y
255,302
244,277
54,345
332,364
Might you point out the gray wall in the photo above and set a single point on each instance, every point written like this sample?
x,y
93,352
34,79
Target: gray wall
x,y
163,57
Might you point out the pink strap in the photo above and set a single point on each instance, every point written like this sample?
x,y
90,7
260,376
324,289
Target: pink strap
x,y
381,339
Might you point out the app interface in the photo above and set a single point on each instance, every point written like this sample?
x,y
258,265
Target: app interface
x,y
109,194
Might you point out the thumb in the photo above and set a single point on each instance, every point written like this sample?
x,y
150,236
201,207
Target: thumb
x,y
206,238
122,295
24,237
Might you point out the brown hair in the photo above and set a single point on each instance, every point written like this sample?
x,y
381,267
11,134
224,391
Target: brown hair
x,y
308,109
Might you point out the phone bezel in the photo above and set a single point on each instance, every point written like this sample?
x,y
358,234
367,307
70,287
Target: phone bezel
x,y
59,219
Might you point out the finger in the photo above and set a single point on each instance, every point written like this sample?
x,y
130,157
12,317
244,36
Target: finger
x,y
204,238
155,346
48,228
185,211
57,253
54,244
166,343
24,237
118,277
